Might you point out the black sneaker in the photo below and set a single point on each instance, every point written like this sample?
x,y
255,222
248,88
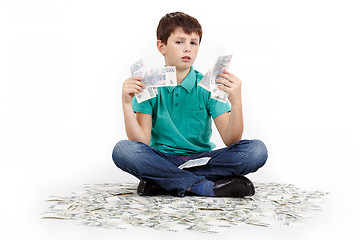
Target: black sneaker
x,y
234,187
147,187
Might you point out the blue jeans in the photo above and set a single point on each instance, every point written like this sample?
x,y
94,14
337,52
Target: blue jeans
x,y
142,161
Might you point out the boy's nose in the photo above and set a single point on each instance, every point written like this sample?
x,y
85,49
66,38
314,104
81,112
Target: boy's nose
x,y
187,49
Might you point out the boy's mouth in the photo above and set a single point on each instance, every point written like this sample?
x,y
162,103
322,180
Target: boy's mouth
x,y
186,58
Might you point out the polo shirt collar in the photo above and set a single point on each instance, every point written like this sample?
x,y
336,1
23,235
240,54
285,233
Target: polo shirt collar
x,y
188,83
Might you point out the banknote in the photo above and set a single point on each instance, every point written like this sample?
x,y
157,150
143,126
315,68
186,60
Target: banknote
x,y
148,93
195,162
220,96
221,65
160,77
118,206
138,70
209,81
152,78
205,81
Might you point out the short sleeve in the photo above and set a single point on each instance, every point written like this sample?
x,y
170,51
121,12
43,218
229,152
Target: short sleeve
x,y
143,107
216,108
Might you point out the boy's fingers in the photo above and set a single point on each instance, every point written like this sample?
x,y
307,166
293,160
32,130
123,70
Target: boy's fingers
x,y
229,76
140,84
225,89
137,86
224,75
135,79
136,82
138,90
224,82
133,87
226,72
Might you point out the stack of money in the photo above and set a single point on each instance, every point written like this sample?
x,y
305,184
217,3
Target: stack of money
x,y
118,206
209,82
153,78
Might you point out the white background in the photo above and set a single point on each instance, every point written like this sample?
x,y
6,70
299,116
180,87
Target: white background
x,y
62,64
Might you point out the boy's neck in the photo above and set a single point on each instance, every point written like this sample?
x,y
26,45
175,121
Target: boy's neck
x,y
181,75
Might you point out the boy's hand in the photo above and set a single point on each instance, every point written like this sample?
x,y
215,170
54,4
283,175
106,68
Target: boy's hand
x,y
130,87
232,87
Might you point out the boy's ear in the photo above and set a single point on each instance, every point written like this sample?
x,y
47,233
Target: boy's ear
x,y
161,47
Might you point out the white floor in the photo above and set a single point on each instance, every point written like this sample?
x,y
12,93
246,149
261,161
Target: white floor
x,y
24,189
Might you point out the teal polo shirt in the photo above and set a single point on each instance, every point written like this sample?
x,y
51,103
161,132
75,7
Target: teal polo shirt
x,y
181,116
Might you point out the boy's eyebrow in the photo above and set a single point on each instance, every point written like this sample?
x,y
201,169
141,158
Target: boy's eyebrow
x,y
184,38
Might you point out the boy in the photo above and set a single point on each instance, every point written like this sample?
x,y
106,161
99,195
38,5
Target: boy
x,y
175,126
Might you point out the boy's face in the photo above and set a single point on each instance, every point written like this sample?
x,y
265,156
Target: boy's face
x,y
181,49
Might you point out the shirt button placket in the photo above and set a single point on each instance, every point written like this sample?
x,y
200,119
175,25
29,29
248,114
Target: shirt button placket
x,y
176,102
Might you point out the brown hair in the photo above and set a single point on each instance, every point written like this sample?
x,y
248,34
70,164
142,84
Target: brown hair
x,y
171,21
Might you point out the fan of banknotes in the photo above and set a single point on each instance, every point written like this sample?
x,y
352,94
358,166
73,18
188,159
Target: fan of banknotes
x,y
166,76
209,82
153,78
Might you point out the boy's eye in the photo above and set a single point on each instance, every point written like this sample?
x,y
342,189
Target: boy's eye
x,y
178,42
194,43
